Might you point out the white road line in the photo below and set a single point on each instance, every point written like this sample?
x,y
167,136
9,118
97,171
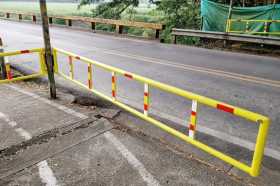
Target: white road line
x,y
132,160
46,174
23,133
146,176
45,171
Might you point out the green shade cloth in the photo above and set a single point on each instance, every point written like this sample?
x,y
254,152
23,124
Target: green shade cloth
x,y
214,17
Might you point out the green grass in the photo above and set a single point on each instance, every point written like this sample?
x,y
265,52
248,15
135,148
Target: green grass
x,y
53,8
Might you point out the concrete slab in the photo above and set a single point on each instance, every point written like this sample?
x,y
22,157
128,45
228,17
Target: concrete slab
x,y
27,113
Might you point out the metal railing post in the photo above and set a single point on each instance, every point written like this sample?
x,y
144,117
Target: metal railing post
x,y
90,76
114,86
193,119
146,99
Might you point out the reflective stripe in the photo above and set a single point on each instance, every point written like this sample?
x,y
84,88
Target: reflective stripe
x,y
25,51
192,127
128,76
225,108
114,85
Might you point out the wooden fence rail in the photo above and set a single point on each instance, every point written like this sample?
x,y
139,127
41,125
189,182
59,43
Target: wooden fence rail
x,y
119,24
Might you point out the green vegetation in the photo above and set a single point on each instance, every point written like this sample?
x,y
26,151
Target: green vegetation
x,y
175,13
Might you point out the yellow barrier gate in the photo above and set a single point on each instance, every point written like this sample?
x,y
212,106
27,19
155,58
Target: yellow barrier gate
x,y
247,24
253,169
42,72
263,121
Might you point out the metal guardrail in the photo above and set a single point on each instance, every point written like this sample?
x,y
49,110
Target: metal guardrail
x,y
268,40
43,68
267,24
119,24
263,121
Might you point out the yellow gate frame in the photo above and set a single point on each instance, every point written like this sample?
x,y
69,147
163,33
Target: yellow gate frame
x,y
247,31
263,121
43,68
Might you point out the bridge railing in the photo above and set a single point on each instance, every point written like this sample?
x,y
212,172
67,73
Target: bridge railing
x,y
144,114
68,21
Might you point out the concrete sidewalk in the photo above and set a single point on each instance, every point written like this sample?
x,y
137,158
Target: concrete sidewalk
x,y
57,142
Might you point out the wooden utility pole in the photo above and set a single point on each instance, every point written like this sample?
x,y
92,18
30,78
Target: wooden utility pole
x,y
2,62
48,49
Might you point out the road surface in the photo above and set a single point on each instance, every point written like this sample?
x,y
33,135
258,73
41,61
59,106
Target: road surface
x,y
247,81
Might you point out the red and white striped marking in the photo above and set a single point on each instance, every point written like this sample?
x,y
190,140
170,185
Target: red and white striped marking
x,y
114,85
146,99
225,108
129,76
25,51
192,125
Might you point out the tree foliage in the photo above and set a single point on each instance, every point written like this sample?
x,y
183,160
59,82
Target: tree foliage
x,y
177,13
112,9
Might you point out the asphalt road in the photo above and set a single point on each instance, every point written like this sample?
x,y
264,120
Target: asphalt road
x,y
248,81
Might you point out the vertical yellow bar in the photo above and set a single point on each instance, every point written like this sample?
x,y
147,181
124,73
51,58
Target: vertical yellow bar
x,y
71,67
227,23
90,76
193,119
8,71
55,61
259,148
43,68
114,86
146,99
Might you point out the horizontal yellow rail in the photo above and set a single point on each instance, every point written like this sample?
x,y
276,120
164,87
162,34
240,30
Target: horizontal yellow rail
x,y
263,121
22,78
35,50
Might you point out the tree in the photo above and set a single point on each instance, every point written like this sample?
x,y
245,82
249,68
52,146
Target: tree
x,y
112,9
177,13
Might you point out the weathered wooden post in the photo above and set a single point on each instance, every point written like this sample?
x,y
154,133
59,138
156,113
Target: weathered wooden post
x,y
48,49
2,62
50,20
